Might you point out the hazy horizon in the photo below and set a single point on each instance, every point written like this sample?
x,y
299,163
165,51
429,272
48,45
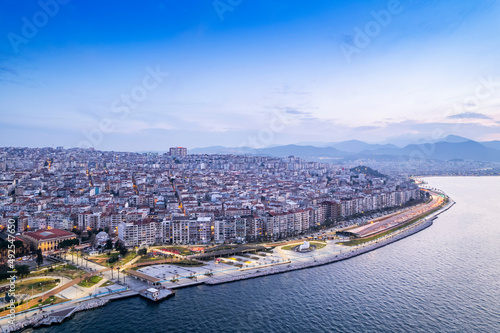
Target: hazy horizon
x,y
144,77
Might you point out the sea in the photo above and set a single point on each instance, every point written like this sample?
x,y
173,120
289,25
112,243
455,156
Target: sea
x,y
445,278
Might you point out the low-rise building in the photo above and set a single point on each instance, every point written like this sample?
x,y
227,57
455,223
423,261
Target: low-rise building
x,y
47,240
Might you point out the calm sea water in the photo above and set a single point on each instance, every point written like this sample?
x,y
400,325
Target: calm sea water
x,y
443,279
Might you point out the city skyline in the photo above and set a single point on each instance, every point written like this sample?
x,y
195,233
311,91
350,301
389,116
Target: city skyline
x,y
224,72
276,166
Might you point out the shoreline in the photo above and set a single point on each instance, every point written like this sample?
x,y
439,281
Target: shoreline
x,y
357,251
40,320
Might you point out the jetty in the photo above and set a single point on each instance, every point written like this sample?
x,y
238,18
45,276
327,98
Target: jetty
x,y
156,295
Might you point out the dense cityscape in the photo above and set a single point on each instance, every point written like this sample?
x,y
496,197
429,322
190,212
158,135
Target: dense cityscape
x,y
231,166
146,199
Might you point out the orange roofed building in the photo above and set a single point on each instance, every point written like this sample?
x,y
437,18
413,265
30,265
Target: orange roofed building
x,y
47,240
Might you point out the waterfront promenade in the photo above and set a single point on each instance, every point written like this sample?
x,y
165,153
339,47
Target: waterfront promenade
x,y
280,260
215,272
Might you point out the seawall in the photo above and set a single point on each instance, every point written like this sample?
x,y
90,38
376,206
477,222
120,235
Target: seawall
x,y
342,255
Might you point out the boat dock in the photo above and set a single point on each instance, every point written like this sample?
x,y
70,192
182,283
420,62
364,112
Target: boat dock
x,y
156,295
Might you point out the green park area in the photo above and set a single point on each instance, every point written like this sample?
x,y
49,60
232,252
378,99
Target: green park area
x,y
150,259
318,245
67,270
182,250
114,258
50,300
90,281
171,261
34,286
187,262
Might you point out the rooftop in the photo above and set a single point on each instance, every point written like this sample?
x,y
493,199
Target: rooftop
x,y
48,234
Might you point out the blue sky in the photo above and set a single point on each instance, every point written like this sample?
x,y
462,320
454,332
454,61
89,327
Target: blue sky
x,y
252,73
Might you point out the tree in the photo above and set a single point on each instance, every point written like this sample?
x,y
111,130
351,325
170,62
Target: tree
x,y
68,243
92,237
22,270
109,244
39,257
117,245
123,251
142,252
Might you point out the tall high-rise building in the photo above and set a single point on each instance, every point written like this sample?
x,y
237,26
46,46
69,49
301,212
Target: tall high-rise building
x,y
178,151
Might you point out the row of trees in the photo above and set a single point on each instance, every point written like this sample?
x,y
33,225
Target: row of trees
x,y
68,243
21,271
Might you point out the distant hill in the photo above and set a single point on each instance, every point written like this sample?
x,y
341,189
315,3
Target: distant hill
x,y
454,148
356,146
301,151
467,150
492,144
455,139
367,171
222,150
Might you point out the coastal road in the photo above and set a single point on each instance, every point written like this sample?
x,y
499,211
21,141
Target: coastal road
x,y
383,224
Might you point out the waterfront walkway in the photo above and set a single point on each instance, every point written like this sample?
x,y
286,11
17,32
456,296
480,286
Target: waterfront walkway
x,y
212,273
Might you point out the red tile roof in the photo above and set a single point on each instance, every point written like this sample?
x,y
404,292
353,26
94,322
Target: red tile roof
x,y
48,234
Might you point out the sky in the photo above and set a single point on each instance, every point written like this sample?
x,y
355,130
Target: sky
x,y
145,76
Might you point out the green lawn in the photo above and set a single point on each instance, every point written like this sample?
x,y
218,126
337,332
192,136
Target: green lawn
x,y
107,283
131,255
187,262
319,245
90,281
34,286
107,256
122,261
150,259
50,300
183,251
101,259
68,270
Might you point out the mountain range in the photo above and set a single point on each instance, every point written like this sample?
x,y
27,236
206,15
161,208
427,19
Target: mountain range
x,y
451,147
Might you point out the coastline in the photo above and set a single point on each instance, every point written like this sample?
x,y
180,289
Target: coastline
x,y
40,320
353,252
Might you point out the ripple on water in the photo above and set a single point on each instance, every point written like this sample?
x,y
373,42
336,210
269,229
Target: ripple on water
x,y
443,279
